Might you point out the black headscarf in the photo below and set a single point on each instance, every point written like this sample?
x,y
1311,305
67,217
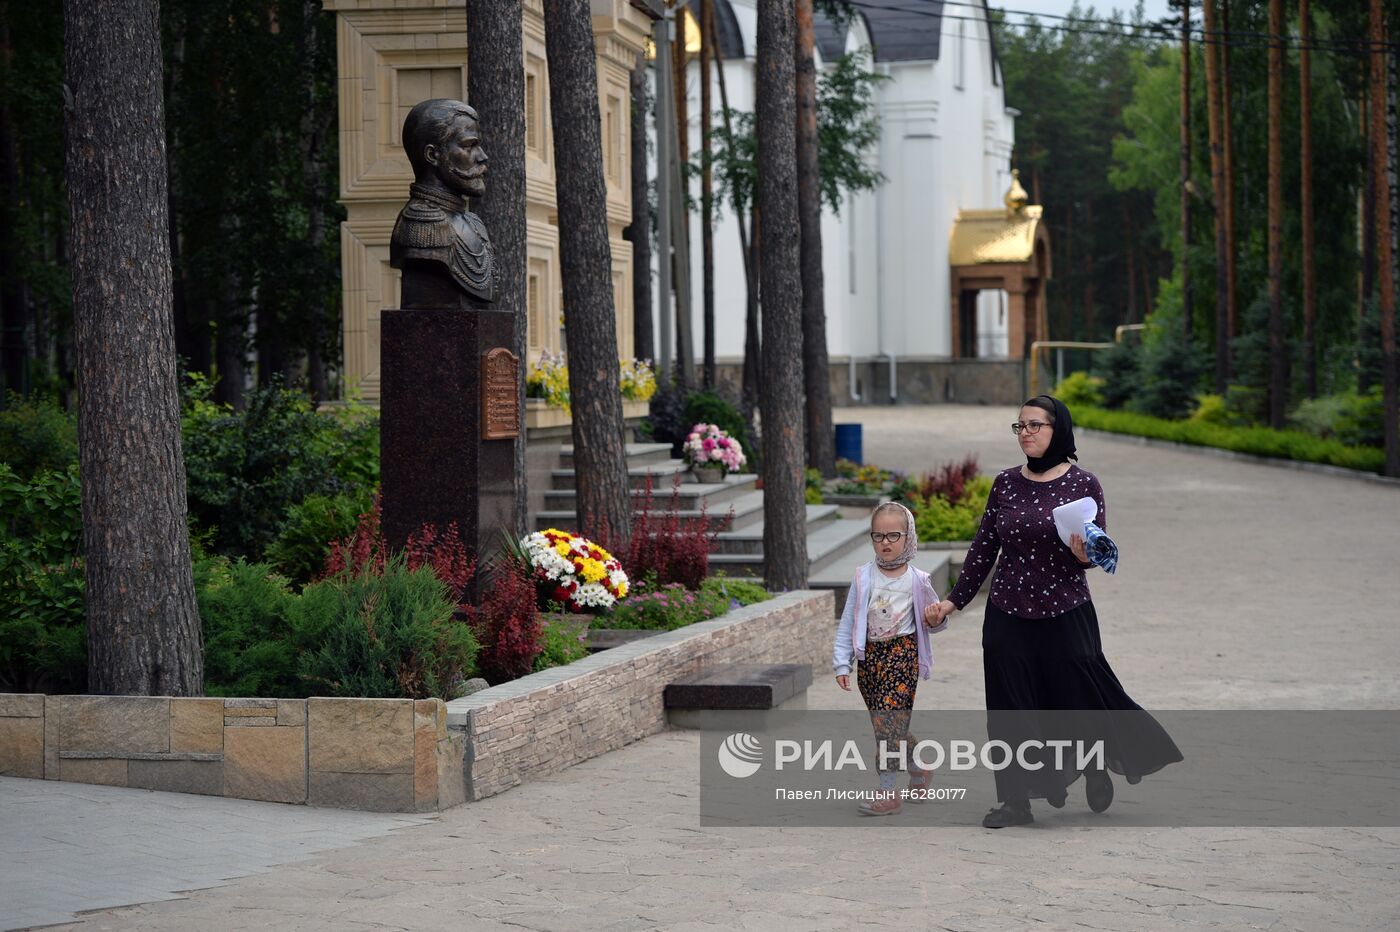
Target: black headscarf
x,y
1061,449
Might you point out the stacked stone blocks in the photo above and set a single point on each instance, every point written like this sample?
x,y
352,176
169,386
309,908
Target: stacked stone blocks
x,y
392,755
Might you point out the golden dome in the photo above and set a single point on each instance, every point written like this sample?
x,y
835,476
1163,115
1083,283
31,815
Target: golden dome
x,y
1016,196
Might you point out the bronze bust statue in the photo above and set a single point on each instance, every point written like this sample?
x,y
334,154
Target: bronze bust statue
x,y
435,230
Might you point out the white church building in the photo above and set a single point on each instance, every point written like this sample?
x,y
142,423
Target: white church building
x,y
932,282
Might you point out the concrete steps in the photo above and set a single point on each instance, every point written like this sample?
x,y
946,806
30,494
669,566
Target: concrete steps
x,y
748,539
828,541
691,496
638,454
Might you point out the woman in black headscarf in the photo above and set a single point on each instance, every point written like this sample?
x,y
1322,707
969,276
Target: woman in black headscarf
x,y
1042,659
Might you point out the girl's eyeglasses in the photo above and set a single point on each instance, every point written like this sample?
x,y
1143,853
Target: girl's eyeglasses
x,y
893,537
1032,426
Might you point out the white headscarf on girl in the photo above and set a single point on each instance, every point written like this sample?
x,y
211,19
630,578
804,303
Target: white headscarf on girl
x,y
911,537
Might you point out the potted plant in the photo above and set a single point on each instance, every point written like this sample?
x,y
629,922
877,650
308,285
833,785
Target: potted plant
x,y
712,453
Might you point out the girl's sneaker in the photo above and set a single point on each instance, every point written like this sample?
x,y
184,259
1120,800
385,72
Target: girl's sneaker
x,y
887,805
919,782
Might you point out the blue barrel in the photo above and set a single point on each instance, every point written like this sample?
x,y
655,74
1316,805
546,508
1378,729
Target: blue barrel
x,y
848,443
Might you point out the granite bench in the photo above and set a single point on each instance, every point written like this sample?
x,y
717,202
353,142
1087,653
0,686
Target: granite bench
x,y
754,687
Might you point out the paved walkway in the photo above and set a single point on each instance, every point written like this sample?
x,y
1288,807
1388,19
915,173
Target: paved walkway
x,y
1241,586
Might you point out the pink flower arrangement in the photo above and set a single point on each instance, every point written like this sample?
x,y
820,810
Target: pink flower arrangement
x,y
707,445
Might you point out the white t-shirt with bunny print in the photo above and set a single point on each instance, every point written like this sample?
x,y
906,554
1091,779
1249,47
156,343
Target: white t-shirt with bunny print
x,y
891,606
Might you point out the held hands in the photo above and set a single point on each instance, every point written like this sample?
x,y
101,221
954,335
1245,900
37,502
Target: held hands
x,y
934,615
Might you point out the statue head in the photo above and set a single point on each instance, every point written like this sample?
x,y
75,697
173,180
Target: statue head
x,y
443,142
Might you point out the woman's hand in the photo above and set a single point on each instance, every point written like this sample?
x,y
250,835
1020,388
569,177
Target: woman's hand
x,y
844,681
1076,544
935,614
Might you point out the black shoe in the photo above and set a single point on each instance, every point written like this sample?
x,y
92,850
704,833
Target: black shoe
x,y
1008,814
1057,799
1098,789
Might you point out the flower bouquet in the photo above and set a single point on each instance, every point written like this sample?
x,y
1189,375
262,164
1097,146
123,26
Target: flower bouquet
x,y
712,453
574,571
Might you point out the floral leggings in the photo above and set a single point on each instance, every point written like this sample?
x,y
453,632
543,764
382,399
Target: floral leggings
x,y
887,677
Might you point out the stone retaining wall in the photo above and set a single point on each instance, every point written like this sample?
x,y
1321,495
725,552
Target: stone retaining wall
x,y
565,715
392,755
398,755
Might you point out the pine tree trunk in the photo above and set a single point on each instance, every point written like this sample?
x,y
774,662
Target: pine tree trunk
x,y
707,195
586,267
143,626
821,435
753,340
1187,296
1278,358
1090,324
1227,134
749,376
1368,238
1212,49
496,89
317,124
1306,156
14,310
1385,273
784,487
643,338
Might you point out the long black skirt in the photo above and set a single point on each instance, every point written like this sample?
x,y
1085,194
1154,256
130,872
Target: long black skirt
x,y
1047,679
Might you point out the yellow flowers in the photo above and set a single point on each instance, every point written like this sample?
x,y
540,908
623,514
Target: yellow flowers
x,y
549,379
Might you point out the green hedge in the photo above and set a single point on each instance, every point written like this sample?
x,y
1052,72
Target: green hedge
x,y
1257,441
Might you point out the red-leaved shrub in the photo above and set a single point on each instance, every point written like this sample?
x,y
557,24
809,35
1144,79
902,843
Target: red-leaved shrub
x,y
506,623
664,548
442,551
949,481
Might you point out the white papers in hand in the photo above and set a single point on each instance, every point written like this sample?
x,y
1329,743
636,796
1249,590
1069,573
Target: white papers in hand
x,y
1071,518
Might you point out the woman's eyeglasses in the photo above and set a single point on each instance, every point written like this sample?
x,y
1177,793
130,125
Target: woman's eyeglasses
x,y
1032,426
893,537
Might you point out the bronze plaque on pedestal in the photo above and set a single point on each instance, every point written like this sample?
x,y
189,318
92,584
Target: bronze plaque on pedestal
x,y
500,394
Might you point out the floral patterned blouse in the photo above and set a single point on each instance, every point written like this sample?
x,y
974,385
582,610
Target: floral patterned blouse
x,y
1037,576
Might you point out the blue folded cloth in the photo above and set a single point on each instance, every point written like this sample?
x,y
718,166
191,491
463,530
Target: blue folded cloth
x,y
1102,551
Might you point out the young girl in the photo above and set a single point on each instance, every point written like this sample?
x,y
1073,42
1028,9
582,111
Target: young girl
x,y
880,626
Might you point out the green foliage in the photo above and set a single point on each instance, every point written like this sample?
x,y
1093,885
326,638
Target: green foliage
x,y
1146,163
250,648
254,186
565,640
673,606
1071,80
1210,409
37,435
383,636
43,628
937,519
814,487
1352,419
1117,367
246,470
1171,371
1080,388
1258,441
847,126
299,552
